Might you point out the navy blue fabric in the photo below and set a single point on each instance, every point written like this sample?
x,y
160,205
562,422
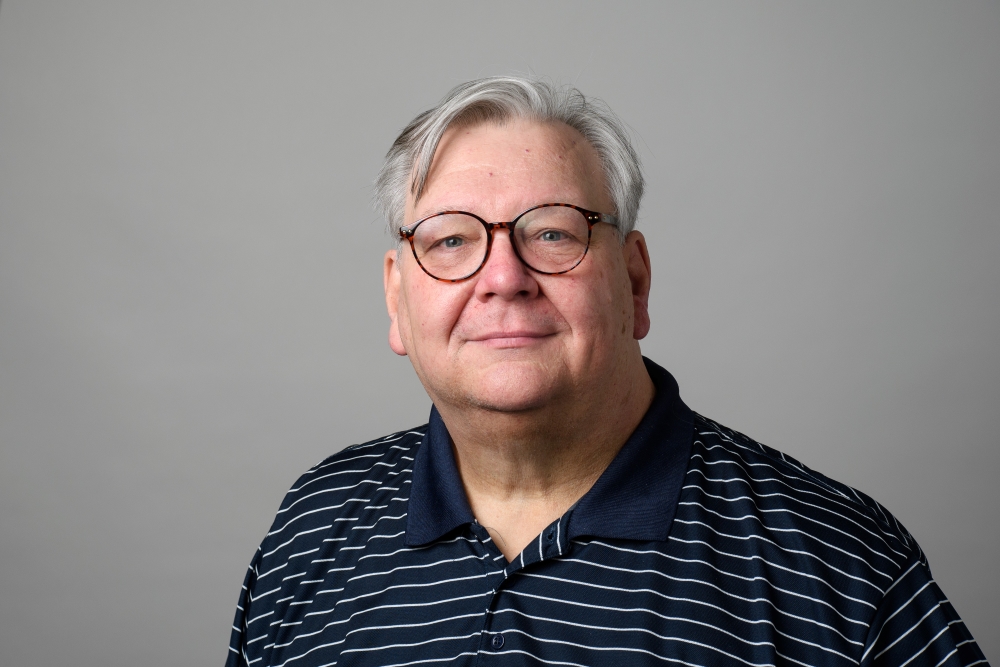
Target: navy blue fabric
x,y
636,497
437,499
697,546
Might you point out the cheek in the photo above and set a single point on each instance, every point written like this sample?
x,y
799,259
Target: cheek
x,y
429,312
591,304
609,304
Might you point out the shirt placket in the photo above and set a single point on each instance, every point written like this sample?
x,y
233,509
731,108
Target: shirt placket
x,y
550,543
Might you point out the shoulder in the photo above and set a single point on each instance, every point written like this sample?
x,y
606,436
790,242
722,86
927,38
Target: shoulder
x,y
356,473
329,509
819,523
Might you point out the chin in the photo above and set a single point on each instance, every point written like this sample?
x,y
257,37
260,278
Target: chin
x,y
505,404
512,388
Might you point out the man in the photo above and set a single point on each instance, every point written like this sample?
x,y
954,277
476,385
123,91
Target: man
x,y
563,505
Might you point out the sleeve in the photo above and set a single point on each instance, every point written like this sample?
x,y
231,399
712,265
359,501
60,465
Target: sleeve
x,y
237,642
916,625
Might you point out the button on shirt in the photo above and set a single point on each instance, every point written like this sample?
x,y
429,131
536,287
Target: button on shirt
x,y
697,546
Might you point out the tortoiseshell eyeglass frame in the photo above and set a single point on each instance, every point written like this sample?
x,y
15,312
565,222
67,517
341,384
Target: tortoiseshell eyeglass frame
x,y
592,218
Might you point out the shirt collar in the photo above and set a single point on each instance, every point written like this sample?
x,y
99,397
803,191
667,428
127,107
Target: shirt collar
x,y
634,498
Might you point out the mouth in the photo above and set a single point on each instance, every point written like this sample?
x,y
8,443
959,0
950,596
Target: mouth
x,y
510,339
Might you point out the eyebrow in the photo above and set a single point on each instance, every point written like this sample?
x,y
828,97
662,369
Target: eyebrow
x,y
440,209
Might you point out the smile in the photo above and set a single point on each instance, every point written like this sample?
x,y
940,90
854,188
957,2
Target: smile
x,y
509,339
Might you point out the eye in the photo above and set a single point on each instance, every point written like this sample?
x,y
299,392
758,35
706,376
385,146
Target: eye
x,y
552,235
453,242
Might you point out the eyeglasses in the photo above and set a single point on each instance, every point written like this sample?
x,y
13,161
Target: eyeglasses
x,y
549,238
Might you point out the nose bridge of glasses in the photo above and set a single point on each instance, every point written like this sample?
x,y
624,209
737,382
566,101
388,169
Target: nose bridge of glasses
x,y
491,250
493,226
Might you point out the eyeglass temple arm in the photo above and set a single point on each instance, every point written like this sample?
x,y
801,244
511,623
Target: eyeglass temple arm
x,y
604,217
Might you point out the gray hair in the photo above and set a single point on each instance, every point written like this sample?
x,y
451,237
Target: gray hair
x,y
498,99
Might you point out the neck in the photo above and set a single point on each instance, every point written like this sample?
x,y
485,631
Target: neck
x,y
523,470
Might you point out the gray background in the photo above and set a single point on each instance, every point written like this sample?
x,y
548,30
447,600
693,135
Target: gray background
x,y
190,272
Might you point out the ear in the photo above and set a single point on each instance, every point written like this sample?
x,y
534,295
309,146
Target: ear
x,y
636,257
391,280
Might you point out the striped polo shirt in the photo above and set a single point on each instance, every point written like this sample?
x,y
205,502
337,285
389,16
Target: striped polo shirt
x,y
697,546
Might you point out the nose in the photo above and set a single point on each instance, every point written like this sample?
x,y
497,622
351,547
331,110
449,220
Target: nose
x,y
504,274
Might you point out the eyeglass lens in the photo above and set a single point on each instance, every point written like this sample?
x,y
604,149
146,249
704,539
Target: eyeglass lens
x,y
452,246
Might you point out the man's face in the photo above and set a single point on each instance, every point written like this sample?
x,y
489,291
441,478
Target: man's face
x,y
509,339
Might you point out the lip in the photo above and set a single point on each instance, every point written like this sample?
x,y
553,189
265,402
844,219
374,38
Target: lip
x,y
510,338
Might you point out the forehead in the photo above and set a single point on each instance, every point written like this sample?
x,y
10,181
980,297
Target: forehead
x,y
496,169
